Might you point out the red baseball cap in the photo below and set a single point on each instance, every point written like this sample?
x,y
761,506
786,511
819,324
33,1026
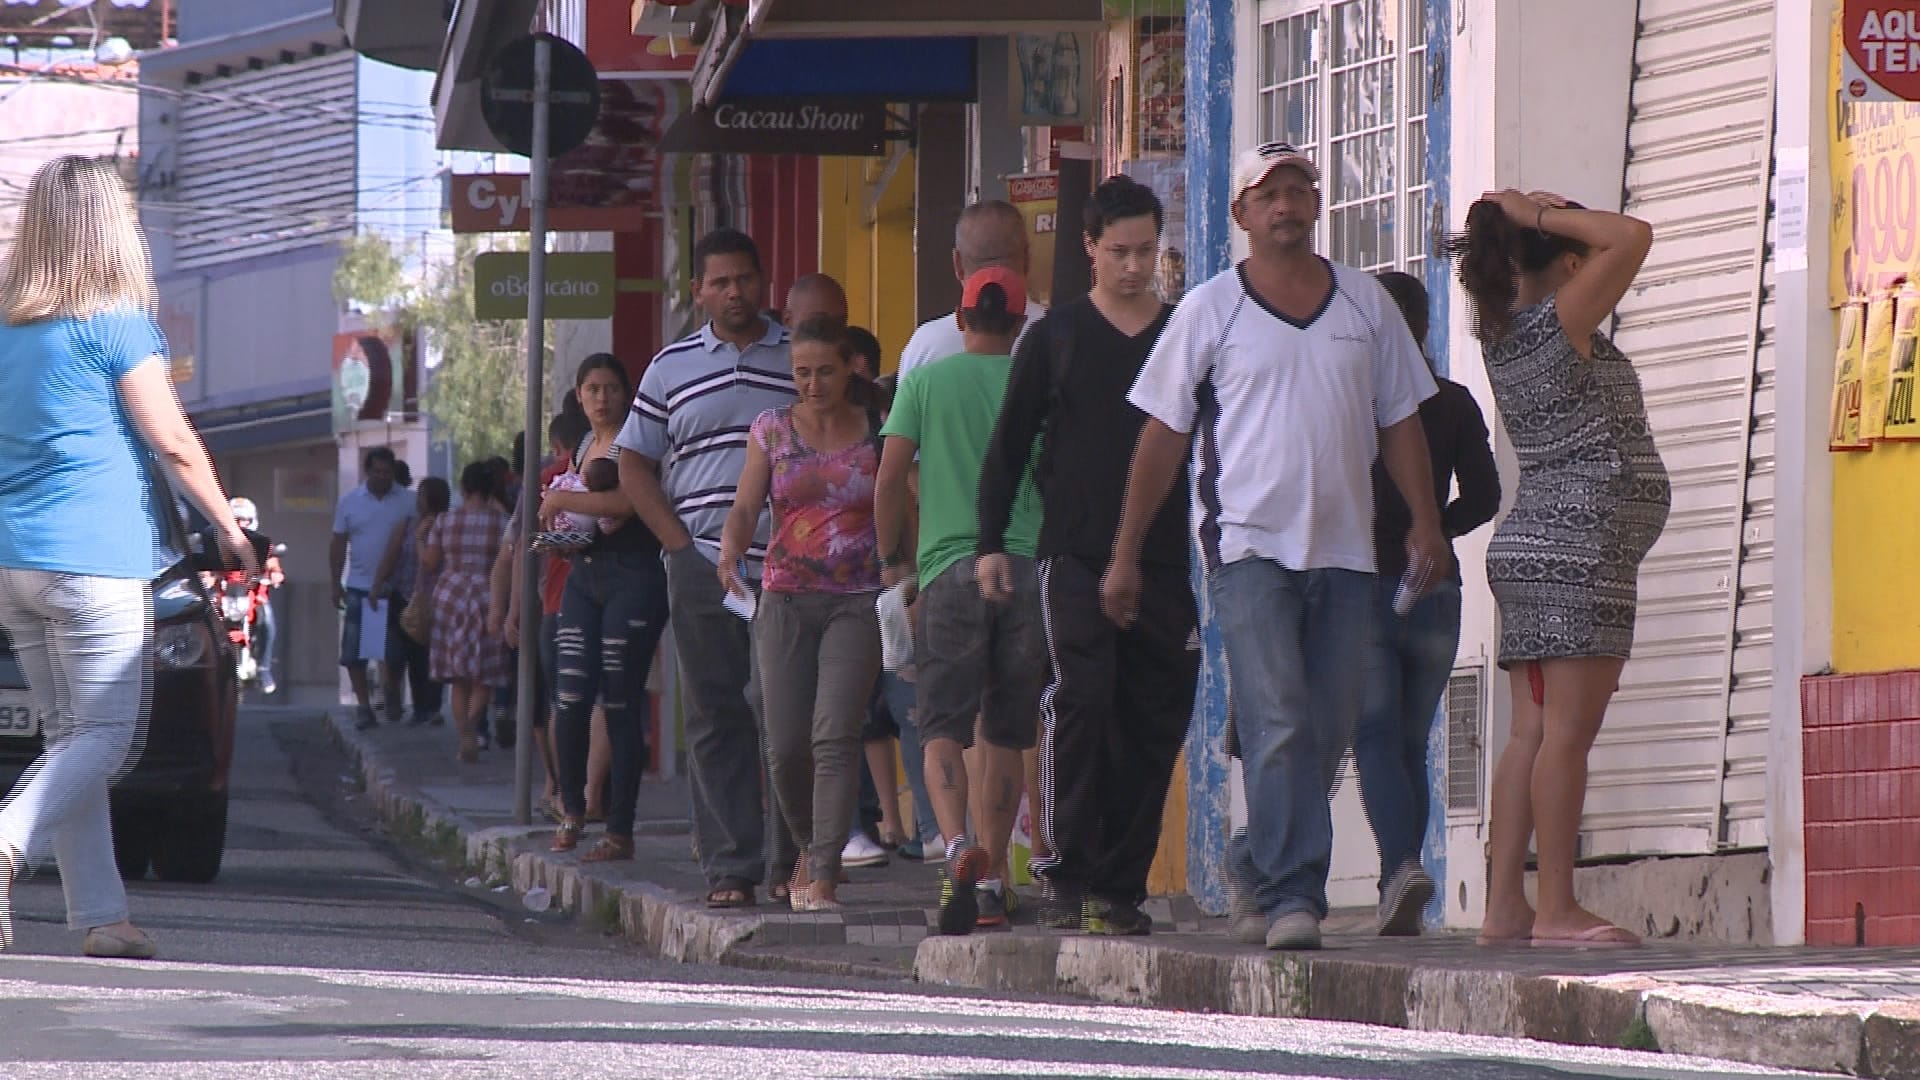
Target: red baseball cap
x,y
1014,286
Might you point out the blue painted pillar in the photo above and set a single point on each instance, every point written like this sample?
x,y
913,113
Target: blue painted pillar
x,y
1439,91
1209,164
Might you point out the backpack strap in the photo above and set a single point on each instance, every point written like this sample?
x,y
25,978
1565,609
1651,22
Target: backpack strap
x,y
1059,331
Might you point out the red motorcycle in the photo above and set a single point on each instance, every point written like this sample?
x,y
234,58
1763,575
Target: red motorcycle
x,y
241,596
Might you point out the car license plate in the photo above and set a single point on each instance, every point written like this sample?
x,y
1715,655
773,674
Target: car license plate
x,y
17,718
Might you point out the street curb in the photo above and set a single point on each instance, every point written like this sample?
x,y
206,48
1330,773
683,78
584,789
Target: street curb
x,y
668,925
1634,1011
1879,1040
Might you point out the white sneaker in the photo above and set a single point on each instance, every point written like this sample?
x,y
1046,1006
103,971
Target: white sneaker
x,y
862,851
267,685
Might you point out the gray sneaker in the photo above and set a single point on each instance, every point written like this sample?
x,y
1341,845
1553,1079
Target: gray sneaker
x,y
1250,929
1249,924
1407,896
1294,930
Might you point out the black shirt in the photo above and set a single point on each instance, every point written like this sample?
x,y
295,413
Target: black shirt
x,y
1087,430
1457,442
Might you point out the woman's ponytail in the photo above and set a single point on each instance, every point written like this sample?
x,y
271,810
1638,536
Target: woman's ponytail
x,y
1487,272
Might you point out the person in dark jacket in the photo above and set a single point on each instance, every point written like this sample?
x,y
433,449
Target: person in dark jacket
x,y
1409,659
1115,716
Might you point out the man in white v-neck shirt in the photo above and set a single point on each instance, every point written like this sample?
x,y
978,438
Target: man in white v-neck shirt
x,y
1288,374
990,233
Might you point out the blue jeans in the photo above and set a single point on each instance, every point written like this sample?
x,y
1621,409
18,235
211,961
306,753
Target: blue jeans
x,y
350,617
1294,642
85,645
1407,665
263,637
899,695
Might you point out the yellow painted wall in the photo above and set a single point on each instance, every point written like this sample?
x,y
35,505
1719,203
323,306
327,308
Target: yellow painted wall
x,y
1876,552
874,262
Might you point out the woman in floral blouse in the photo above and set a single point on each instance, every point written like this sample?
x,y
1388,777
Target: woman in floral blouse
x,y
815,631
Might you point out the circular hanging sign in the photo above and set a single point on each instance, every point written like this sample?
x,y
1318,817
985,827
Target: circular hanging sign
x,y
506,96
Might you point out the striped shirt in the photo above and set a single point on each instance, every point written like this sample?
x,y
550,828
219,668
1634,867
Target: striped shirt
x,y
1286,414
696,404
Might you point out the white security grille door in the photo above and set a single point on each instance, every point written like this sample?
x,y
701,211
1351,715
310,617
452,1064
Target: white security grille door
x,y
1680,765
1346,81
266,161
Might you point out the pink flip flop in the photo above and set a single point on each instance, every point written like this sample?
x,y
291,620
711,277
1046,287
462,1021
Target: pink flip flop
x,y
1604,936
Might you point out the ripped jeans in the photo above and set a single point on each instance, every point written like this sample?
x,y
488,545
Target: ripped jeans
x,y
611,618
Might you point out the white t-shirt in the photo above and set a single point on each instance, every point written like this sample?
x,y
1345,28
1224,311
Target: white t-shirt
x,y
940,338
1287,416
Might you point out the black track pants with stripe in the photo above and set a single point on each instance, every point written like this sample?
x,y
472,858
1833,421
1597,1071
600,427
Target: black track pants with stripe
x,y
1112,723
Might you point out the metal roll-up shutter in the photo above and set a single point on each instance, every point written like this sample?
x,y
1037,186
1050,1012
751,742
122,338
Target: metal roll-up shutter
x,y
266,161
1680,764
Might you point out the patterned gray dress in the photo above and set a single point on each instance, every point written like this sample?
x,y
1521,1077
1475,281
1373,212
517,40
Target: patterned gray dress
x,y
1593,496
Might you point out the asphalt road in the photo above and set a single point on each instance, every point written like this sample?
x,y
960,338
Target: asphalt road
x,y
324,952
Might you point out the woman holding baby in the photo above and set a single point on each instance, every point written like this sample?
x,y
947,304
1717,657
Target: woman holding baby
x,y
611,617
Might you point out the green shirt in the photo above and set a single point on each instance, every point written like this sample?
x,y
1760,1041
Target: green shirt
x,y
948,409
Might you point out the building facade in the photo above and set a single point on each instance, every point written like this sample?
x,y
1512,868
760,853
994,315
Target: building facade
x,y
266,143
1755,780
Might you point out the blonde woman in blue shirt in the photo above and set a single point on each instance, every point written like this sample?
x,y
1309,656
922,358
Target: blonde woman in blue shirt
x,y
83,368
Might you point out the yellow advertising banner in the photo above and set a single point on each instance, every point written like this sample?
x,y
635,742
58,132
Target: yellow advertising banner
x,y
1875,156
1843,426
1877,367
1900,422
1037,197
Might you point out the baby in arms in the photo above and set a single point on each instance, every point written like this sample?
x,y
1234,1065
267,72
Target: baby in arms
x,y
600,474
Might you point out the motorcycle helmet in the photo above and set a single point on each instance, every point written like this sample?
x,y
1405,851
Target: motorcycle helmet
x,y
245,513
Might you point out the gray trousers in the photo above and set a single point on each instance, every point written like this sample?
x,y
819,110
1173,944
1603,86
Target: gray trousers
x,y
819,654
733,808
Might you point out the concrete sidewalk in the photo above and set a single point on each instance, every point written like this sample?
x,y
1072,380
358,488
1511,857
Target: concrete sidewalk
x,y
1844,1011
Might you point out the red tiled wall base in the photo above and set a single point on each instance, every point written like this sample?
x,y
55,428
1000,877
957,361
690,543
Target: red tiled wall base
x,y
1861,737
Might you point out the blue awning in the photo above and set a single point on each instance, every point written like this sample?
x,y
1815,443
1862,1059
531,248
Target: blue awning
x,y
900,51
898,70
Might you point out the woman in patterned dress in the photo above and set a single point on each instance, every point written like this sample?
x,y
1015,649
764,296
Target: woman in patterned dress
x,y
1543,274
459,555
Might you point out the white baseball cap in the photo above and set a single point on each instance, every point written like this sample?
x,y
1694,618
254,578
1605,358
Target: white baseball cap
x,y
1252,167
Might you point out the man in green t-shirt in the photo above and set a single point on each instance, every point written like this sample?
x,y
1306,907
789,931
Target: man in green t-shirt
x,y
975,656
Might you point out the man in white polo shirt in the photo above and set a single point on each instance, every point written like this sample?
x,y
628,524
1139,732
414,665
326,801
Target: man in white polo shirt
x,y
1286,373
990,233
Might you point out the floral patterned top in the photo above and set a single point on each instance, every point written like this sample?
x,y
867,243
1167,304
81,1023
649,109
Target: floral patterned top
x,y
823,538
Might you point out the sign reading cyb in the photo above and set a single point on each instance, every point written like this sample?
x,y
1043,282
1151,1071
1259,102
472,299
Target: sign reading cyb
x,y
1882,46
497,202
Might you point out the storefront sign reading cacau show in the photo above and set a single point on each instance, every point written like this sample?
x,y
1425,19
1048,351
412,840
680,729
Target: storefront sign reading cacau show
x,y
825,128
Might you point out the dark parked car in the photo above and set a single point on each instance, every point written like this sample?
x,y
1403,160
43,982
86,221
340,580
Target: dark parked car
x,y
170,811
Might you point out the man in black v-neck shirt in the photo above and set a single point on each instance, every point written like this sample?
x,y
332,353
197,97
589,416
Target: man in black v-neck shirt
x,y
1116,713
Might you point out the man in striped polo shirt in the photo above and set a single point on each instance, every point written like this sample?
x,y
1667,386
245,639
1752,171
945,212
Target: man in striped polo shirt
x,y
684,446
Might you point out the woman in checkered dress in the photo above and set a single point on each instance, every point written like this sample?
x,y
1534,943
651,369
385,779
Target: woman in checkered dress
x,y
460,551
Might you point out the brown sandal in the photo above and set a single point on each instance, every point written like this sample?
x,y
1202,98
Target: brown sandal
x,y
567,837
610,848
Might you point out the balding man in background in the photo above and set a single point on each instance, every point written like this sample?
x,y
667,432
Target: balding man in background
x,y
990,233
814,294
